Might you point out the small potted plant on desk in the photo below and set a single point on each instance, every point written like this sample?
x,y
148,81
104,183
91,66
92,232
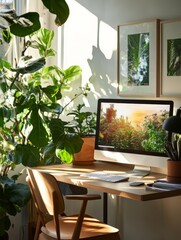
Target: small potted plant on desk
x,y
84,123
173,148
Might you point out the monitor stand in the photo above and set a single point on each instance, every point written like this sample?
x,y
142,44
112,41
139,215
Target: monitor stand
x,y
139,171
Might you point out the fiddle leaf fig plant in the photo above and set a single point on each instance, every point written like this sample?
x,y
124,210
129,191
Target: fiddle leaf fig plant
x,y
32,131
31,106
29,22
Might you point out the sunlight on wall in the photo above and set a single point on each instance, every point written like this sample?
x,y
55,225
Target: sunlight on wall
x,y
78,37
107,39
87,41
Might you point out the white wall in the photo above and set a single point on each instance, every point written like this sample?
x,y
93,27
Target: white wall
x,y
90,40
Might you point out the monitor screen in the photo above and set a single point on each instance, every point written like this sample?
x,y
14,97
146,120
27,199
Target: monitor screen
x,y
130,131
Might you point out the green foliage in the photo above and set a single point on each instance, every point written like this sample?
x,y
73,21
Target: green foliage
x,y
31,105
84,122
173,61
28,23
156,136
59,8
30,100
173,148
138,59
23,28
43,42
19,25
13,196
123,134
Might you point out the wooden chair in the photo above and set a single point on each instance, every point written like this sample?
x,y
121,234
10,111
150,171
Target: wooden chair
x,y
49,202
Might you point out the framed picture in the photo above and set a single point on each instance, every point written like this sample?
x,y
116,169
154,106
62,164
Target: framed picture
x,y
138,58
171,58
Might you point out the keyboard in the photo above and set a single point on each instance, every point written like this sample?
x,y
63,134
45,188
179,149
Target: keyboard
x,y
108,177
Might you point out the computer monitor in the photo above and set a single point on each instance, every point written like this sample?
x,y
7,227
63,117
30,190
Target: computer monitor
x,y
130,131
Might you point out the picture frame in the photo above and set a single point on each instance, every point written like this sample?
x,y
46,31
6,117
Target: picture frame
x,y
170,58
139,58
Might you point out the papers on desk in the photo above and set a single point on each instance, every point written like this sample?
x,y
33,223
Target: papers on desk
x,y
163,185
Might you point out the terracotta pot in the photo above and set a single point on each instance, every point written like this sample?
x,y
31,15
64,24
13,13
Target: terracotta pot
x,y
86,155
174,171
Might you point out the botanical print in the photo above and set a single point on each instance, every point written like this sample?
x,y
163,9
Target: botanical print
x,y
174,57
138,59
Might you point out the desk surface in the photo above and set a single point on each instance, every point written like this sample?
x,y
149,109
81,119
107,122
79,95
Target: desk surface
x,y
71,174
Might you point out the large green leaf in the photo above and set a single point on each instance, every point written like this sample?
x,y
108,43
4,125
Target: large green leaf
x,y
52,92
49,156
38,136
59,8
31,67
72,72
4,64
4,225
6,180
53,108
65,154
76,142
27,155
66,148
7,206
17,193
45,37
7,36
9,15
5,115
26,24
57,129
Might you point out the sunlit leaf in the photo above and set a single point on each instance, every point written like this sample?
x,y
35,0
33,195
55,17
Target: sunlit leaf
x,y
7,36
72,72
66,154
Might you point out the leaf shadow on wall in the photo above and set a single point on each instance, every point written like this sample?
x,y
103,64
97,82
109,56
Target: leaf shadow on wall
x,y
103,73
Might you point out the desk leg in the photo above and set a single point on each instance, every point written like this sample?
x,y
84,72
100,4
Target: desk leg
x,y
105,205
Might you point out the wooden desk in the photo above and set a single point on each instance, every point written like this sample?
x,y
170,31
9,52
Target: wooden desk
x,y
72,174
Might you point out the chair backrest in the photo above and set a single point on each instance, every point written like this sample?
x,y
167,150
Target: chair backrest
x,y
46,192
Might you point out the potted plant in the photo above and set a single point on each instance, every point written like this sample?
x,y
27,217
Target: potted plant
x,y
173,147
31,129
84,123
173,150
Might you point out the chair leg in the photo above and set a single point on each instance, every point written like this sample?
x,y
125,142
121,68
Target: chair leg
x,y
38,228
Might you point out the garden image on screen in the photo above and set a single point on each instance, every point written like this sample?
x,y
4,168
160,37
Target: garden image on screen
x,y
133,127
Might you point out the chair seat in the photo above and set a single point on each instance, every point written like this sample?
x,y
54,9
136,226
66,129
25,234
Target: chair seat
x,y
91,228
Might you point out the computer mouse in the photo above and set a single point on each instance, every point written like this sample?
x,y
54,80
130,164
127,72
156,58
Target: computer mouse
x,y
136,184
